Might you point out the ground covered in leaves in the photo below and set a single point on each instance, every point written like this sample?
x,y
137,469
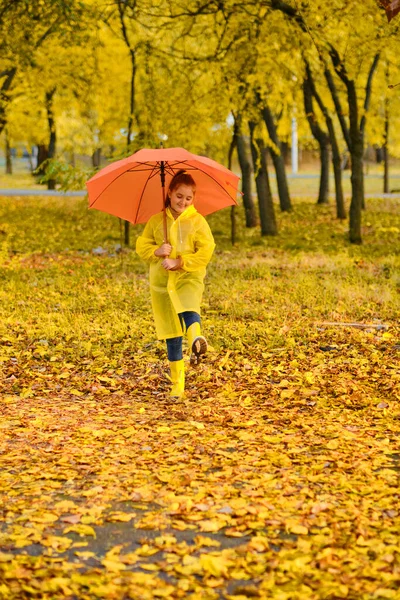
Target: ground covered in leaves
x,y
277,476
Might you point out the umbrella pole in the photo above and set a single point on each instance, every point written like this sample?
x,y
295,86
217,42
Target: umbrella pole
x,y
162,175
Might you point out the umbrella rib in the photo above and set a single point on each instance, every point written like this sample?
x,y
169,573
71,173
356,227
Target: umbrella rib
x,y
189,169
141,196
151,168
216,181
154,170
149,164
107,186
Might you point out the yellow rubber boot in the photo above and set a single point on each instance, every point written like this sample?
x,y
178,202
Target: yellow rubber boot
x,y
197,343
177,368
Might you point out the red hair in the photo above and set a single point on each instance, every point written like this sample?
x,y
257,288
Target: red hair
x,y
182,177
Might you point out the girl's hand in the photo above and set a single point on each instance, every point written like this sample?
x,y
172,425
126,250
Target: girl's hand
x,y
171,264
164,250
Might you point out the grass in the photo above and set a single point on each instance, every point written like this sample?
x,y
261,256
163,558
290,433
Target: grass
x,y
306,183
309,269
275,477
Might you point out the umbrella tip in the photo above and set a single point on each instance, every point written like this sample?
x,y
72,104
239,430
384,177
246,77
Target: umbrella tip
x,y
161,145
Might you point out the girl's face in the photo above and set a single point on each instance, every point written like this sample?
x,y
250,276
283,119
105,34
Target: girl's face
x,y
181,197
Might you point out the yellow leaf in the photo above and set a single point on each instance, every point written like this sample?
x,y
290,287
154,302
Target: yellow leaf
x,y
64,505
385,593
309,377
120,516
58,543
163,592
6,556
284,383
93,491
85,554
55,584
333,445
44,518
146,550
211,525
361,541
113,565
214,565
165,540
387,336
75,392
202,540
190,566
287,393
81,530
299,529
197,424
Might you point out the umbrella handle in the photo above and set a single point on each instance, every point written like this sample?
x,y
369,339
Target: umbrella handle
x,y
164,219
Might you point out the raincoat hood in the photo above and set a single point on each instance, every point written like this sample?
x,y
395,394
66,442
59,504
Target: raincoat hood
x,y
186,214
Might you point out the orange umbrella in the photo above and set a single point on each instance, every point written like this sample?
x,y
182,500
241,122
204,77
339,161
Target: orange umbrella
x,y
134,188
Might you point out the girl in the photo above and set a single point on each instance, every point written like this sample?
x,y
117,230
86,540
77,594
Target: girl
x,y
177,271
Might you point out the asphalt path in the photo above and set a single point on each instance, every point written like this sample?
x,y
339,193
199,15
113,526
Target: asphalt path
x,y
82,193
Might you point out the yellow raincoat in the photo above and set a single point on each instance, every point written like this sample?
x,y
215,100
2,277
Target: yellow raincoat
x,y
173,292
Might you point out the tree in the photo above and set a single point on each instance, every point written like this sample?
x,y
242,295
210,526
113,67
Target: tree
x,y
336,160
354,61
265,203
322,138
24,28
245,167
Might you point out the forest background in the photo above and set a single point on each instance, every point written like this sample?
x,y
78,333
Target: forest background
x,y
277,475
104,79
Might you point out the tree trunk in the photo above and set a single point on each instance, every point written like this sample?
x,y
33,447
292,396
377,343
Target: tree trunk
x,y
8,153
96,158
126,233
245,167
29,151
265,203
42,156
232,147
132,98
336,159
51,183
322,139
233,225
354,136
357,190
337,172
386,150
130,121
323,194
363,205
277,159
4,96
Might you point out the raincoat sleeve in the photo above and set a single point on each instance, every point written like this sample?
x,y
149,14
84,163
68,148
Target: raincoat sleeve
x,y
204,245
146,244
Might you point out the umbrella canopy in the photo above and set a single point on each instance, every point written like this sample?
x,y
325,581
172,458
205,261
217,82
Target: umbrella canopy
x,y
132,188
